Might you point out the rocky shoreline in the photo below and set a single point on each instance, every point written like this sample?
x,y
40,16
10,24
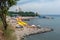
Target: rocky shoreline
x,y
26,31
31,31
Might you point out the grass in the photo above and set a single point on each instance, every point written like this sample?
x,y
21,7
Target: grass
x,y
1,25
9,33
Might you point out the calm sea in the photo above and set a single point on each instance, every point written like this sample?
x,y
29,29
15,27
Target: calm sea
x,y
52,23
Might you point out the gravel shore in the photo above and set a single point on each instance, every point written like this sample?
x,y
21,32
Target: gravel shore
x,y
25,31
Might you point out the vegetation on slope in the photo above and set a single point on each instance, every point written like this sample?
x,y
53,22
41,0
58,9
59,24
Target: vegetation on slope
x,y
7,34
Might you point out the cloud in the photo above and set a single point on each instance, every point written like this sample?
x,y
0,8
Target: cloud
x,y
40,6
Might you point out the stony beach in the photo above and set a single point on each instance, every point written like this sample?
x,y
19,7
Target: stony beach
x,y
26,31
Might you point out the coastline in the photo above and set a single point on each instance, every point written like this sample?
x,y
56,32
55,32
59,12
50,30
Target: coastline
x,y
25,31
28,17
30,31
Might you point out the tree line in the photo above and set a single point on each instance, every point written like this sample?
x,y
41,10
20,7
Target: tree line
x,y
23,13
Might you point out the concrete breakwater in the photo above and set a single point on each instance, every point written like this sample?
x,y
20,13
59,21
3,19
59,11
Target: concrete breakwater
x,y
26,31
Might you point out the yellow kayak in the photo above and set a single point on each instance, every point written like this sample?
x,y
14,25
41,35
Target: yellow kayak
x,y
20,22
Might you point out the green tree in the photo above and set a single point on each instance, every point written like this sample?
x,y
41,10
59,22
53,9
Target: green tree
x,y
4,7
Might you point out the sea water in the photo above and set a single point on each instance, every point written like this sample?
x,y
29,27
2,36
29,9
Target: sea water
x,y
52,23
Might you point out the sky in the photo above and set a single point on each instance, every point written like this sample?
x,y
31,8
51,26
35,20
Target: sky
x,y
43,7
